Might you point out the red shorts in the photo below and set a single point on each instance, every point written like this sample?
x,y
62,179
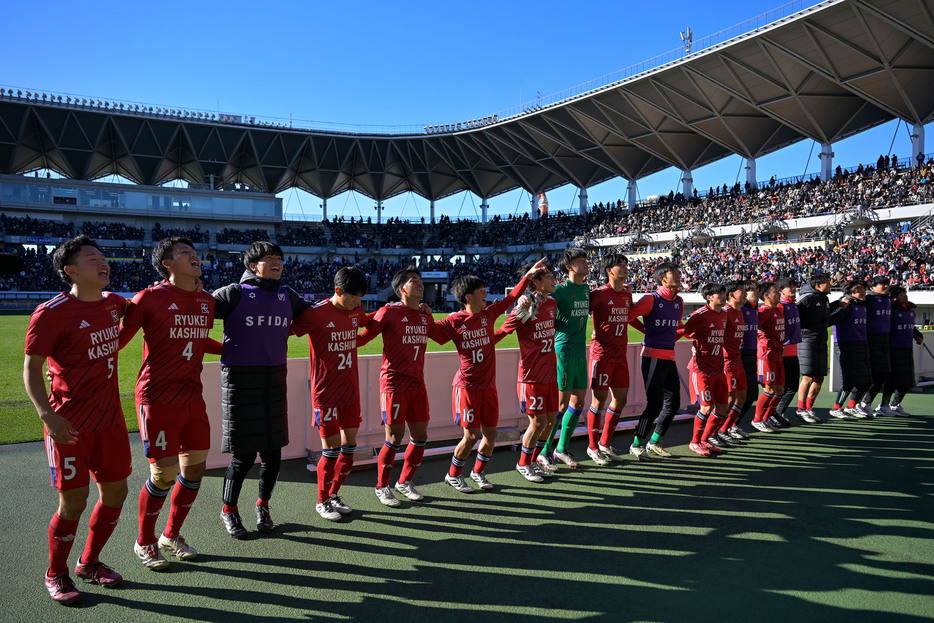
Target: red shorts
x,y
168,430
105,453
402,407
538,398
709,389
609,374
735,375
332,420
474,408
771,372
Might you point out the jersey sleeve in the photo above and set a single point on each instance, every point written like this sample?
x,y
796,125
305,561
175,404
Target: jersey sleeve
x,y
372,326
133,318
689,327
511,324
442,332
226,299
304,324
642,308
43,333
636,324
499,307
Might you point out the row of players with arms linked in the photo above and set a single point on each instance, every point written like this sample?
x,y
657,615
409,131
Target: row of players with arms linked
x,y
80,332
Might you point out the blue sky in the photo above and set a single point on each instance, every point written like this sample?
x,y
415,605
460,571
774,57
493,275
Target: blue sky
x,y
378,63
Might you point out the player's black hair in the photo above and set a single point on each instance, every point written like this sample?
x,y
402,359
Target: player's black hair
x,y
710,288
569,256
351,281
878,280
663,269
851,286
895,291
463,286
765,286
399,279
750,285
612,259
734,285
260,249
163,250
66,253
819,278
785,282
538,274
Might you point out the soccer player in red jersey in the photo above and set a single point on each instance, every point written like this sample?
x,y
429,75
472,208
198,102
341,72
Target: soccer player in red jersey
x,y
77,334
537,384
733,361
331,327
475,401
175,317
405,326
707,327
609,363
771,369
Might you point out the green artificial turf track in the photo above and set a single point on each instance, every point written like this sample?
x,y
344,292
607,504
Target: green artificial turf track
x,y
829,522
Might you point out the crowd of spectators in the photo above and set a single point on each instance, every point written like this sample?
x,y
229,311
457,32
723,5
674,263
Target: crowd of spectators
x,y
304,236
195,235
905,256
28,226
245,237
112,231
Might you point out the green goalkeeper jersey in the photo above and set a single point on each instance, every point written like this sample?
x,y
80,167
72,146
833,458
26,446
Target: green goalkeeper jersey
x,y
571,324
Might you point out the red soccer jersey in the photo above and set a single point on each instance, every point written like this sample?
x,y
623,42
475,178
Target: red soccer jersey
x,y
473,337
175,325
405,337
80,340
610,310
332,338
771,333
707,328
735,329
537,360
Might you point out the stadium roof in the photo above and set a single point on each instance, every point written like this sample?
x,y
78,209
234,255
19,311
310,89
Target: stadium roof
x,y
830,70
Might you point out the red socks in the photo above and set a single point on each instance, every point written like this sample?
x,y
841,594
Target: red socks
x,y
525,456
713,424
482,460
327,465
342,469
609,427
594,419
809,403
61,538
762,406
102,525
183,496
384,464
151,500
698,433
413,459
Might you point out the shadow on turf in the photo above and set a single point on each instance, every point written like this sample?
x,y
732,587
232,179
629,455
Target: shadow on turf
x,y
787,526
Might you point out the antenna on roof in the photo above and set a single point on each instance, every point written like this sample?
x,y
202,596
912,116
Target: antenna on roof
x,y
687,37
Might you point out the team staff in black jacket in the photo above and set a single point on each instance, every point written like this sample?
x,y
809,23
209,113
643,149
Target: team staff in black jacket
x,y
814,310
257,314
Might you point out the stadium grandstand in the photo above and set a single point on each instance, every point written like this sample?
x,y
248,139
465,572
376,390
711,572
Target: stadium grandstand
x,y
749,91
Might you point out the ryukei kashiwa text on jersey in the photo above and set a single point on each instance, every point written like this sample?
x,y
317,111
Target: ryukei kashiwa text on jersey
x,y
175,326
332,338
81,341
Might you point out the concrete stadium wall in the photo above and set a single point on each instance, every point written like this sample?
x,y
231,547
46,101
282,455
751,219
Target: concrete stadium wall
x,y
439,372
